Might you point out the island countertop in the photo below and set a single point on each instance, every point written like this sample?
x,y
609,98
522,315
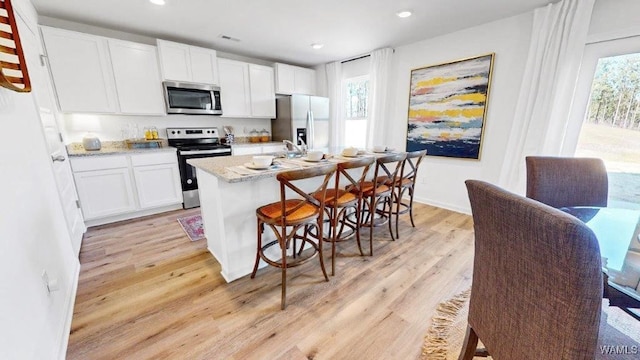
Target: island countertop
x,y
231,168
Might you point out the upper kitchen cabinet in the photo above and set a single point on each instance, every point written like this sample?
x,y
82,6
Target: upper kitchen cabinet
x,y
295,80
137,77
81,71
181,62
94,74
246,90
263,98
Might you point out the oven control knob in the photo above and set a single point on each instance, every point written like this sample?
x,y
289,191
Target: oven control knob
x,y
173,132
189,181
178,131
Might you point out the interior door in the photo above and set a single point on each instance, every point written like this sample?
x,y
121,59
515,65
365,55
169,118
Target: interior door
x,y
57,150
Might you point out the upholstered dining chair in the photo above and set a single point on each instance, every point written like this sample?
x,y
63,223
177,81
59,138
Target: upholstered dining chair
x,y
567,181
537,280
293,219
344,207
406,182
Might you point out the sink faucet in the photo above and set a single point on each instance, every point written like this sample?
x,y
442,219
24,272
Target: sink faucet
x,y
290,144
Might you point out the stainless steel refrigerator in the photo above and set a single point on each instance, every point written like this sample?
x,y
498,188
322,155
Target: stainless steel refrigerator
x,y
302,117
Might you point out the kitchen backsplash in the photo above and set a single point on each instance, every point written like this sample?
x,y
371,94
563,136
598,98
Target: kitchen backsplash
x,y
109,127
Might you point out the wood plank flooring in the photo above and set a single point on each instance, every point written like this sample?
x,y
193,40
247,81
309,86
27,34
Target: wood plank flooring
x,y
147,292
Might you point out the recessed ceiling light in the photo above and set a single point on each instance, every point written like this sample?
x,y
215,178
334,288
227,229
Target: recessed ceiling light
x,y
157,2
403,14
317,46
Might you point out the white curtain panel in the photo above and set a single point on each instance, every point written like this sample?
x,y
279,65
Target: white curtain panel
x,y
542,113
334,92
380,70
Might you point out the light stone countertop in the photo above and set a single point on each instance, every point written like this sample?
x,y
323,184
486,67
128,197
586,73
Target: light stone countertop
x,y
113,148
231,168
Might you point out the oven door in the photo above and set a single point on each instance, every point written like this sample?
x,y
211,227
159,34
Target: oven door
x,y
188,173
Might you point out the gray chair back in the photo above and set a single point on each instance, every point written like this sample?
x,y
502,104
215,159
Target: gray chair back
x,y
537,278
567,181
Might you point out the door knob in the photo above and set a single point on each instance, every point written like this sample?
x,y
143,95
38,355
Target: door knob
x,y
58,158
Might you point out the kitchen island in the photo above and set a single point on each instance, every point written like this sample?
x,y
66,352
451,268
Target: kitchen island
x,y
230,193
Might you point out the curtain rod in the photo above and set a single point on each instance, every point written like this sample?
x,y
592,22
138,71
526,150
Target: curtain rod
x,y
355,58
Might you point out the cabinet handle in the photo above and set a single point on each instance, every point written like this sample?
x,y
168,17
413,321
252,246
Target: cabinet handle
x,y
58,158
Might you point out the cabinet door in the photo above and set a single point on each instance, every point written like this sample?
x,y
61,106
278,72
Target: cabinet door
x,y
274,148
204,65
158,185
81,71
234,88
285,79
105,192
263,97
175,60
305,81
138,84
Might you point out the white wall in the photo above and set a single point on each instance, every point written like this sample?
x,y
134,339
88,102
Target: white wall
x,y
612,19
441,180
33,234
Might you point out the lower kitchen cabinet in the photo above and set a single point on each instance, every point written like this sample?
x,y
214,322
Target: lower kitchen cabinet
x,y
118,187
104,193
158,185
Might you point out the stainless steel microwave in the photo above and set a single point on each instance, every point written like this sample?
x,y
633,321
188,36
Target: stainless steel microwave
x,y
192,98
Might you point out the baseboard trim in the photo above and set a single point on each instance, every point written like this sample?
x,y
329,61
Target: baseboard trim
x,y
131,215
442,205
70,301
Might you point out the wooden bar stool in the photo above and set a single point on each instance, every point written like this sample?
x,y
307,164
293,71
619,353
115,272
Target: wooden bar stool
x,y
377,191
344,207
303,217
406,183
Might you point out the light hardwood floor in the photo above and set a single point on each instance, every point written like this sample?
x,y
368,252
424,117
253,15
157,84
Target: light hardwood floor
x,y
147,292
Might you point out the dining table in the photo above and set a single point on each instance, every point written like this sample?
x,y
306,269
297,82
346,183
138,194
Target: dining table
x,y
618,234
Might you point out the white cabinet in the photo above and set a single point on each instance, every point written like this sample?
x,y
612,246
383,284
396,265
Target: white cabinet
x,y
137,77
94,74
157,179
104,186
117,187
246,89
81,71
182,62
234,85
294,80
262,92
257,149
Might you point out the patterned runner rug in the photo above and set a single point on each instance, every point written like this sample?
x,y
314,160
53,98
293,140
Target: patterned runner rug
x,y
192,225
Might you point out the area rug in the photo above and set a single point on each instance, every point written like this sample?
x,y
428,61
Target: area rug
x,y
192,225
448,328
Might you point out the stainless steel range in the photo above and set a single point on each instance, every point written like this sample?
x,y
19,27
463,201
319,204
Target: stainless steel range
x,y
194,143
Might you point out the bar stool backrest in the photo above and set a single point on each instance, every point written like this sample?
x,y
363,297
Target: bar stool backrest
x,y
410,165
387,168
364,163
287,179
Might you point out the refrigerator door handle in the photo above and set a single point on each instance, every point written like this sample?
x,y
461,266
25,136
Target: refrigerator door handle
x,y
310,130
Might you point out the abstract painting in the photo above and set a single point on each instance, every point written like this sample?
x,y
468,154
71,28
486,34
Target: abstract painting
x,y
447,107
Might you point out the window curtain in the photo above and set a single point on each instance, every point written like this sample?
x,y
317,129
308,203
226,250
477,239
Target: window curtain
x,y
380,70
334,92
541,118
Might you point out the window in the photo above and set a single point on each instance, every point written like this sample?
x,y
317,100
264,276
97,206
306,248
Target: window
x,y
611,129
355,103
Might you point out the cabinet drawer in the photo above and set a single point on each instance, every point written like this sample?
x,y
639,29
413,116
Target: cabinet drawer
x,y
154,159
99,163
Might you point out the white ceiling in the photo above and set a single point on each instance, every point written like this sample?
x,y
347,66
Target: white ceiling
x,y
283,30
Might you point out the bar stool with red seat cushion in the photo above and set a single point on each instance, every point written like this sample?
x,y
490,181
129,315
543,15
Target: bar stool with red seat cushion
x,y
294,219
339,201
